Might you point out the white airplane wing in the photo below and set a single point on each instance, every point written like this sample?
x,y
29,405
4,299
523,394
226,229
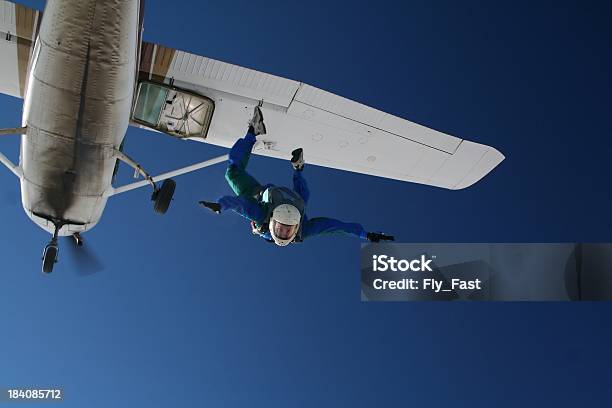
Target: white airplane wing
x,y
334,131
18,26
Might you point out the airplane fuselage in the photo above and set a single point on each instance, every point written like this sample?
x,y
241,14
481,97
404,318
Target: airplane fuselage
x,y
77,108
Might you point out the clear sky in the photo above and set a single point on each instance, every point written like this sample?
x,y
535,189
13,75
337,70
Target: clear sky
x,y
191,310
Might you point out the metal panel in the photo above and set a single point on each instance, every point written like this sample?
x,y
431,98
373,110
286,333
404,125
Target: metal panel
x,y
352,143
488,162
466,162
9,69
355,111
17,32
7,17
209,73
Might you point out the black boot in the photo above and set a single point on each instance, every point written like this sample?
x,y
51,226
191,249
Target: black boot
x,y
379,236
214,207
256,125
297,159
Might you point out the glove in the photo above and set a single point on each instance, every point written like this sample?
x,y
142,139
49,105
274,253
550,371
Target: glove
x,y
379,236
214,207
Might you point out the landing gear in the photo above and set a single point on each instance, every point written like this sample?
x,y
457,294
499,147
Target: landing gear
x,y
51,252
78,239
161,197
50,256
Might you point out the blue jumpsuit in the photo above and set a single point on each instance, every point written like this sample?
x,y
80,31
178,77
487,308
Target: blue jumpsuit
x,y
248,190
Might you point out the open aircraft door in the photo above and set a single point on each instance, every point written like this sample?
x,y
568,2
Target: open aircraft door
x,y
173,111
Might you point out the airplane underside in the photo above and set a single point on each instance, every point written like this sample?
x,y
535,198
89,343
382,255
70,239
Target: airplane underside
x,y
77,103
76,110
85,76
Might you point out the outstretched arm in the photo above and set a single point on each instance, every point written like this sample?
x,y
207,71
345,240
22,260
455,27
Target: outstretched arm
x,y
246,207
322,225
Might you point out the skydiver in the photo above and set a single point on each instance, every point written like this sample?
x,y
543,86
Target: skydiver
x,y
277,214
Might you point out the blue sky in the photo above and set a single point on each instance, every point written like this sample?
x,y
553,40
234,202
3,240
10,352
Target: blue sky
x,y
191,310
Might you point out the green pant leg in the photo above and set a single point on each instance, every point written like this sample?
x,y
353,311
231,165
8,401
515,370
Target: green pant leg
x,y
241,182
241,151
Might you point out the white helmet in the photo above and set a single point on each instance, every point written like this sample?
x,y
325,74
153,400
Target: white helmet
x,y
284,224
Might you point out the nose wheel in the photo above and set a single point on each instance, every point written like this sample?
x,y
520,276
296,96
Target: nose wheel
x,y
50,253
50,256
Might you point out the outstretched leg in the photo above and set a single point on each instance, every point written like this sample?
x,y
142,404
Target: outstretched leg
x,y
299,182
300,186
241,182
240,152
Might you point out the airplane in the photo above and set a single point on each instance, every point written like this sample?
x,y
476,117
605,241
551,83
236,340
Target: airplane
x,y
85,75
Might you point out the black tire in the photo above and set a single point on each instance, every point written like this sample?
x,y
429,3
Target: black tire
x,y
164,196
49,258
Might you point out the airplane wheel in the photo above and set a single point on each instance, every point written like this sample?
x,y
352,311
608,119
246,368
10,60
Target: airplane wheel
x,y
163,197
49,257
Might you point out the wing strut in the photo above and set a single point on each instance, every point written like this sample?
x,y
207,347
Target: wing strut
x,y
13,131
16,170
178,172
